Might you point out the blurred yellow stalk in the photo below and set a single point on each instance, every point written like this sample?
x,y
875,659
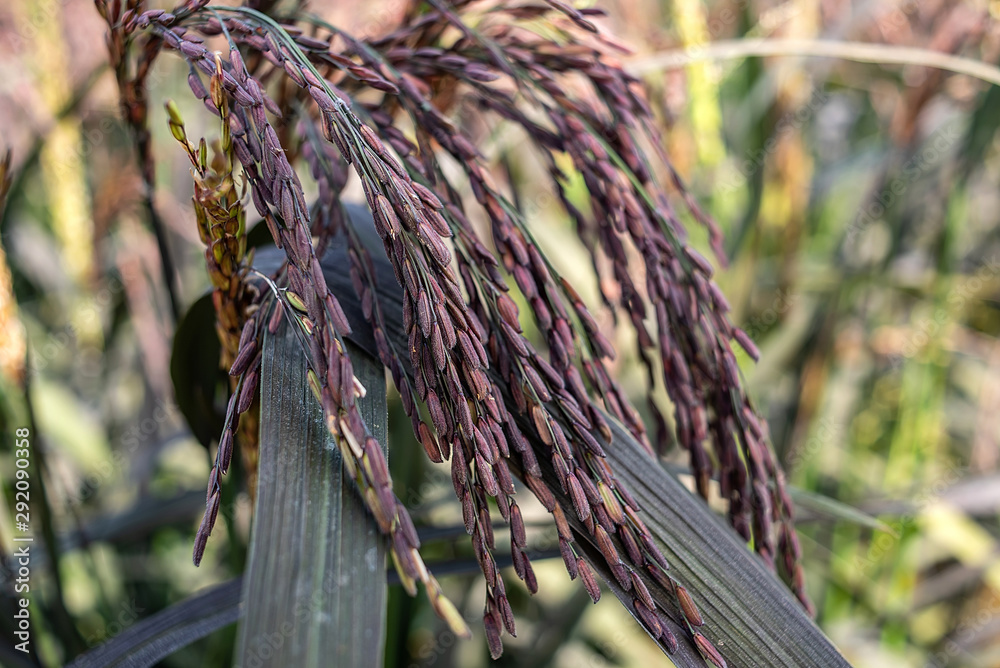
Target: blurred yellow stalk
x,y
963,538
12,342
62,165
706,119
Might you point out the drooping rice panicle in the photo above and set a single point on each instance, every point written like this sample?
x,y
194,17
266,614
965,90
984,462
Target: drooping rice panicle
x,y
577,106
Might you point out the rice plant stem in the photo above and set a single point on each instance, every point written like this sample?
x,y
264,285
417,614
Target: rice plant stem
x,y
883,54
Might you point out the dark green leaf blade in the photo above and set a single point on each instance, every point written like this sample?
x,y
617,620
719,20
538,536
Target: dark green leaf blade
x,y
315,586
154,638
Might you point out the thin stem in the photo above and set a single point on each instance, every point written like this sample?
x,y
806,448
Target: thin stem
x,y
166,258
861,52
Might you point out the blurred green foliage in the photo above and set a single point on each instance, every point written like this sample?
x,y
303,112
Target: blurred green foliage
x,y
862,212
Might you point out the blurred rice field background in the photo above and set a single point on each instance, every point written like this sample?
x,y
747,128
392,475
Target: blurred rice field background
x,y
861,205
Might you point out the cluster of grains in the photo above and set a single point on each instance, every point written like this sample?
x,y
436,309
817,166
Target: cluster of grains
x,y
221,218
477,390
320,321
551,392
516,73
446,341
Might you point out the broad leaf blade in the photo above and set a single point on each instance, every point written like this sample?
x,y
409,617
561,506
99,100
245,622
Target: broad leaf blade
x,y
149,641
750,616
194,369
315,586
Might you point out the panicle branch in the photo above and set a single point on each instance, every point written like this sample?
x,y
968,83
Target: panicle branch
x,y
478,391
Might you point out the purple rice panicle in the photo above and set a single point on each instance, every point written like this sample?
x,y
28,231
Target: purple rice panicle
x,y
476,477
221,219
464,327
514,356
321,321
604,133
473,471
327,171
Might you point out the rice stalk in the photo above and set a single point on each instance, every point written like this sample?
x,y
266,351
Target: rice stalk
x,y
567,89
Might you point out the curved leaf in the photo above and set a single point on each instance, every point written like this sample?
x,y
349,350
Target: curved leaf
x,y
753,619
315,586
149,641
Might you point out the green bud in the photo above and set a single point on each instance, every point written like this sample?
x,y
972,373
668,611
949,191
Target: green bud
x,y
295,301
203,154
178,132
314,385
174,112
